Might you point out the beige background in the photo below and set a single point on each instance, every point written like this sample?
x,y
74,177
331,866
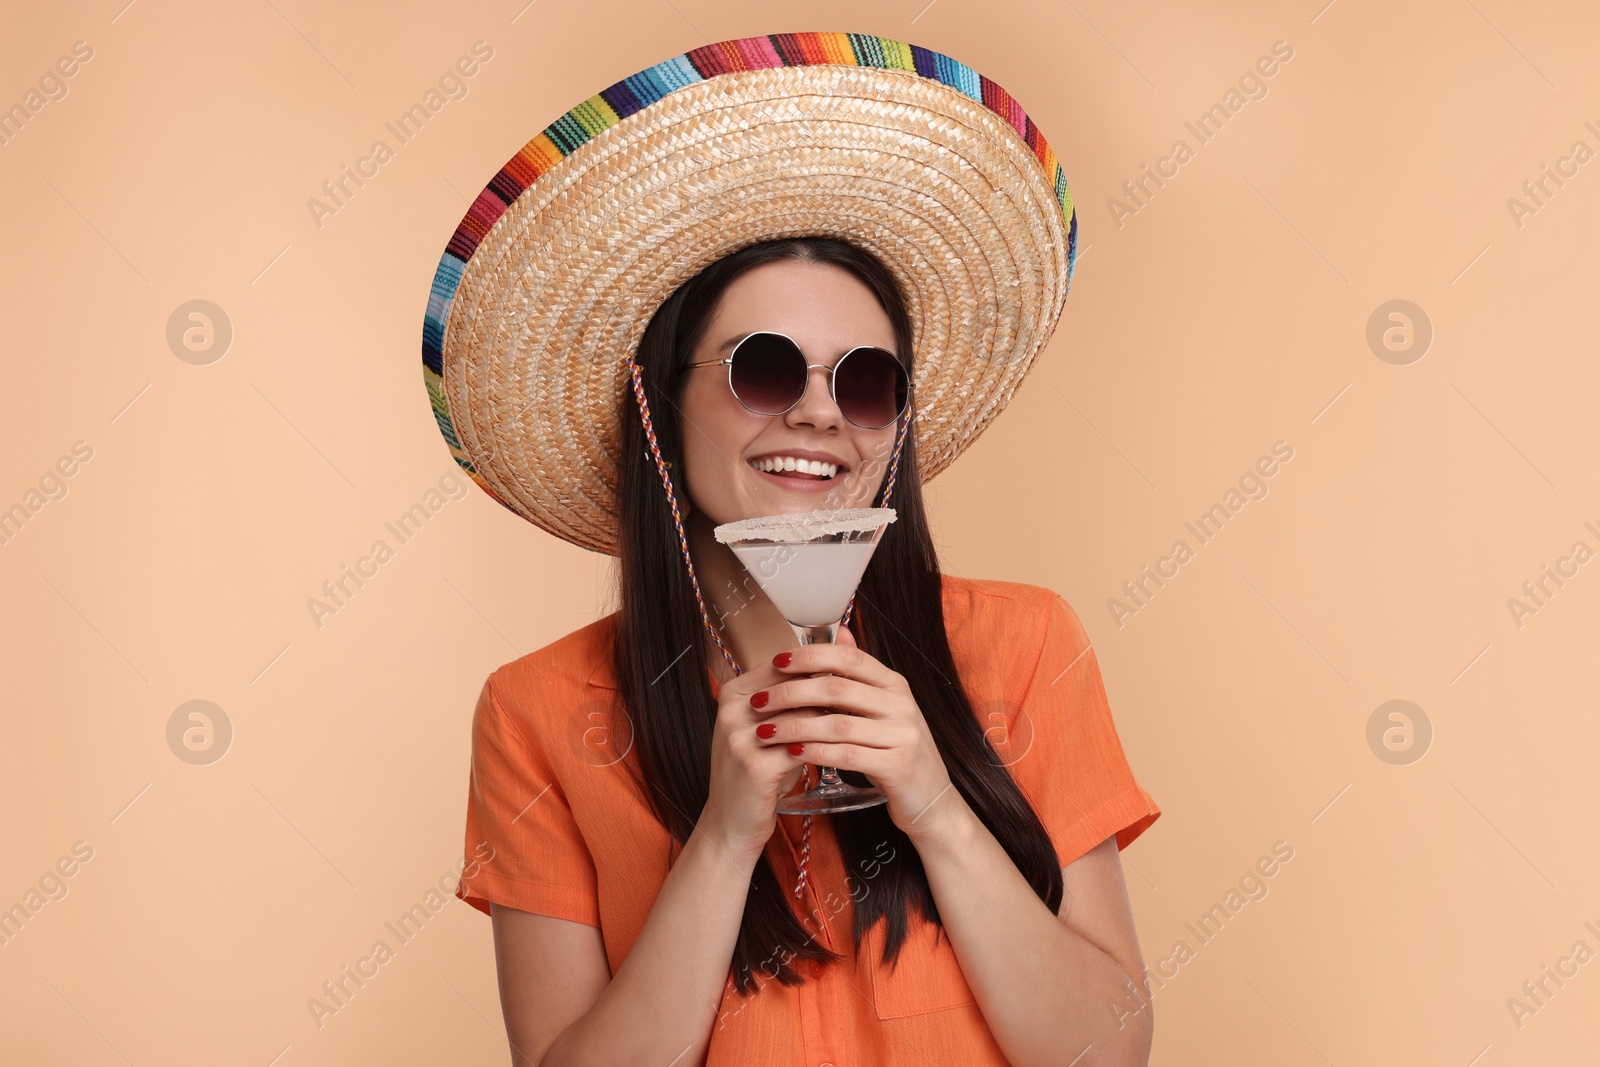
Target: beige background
x,y
1228,313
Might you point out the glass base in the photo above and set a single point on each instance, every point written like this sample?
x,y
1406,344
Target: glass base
x,y
832,798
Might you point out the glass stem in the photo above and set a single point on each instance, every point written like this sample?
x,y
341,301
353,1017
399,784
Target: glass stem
x,y
821,634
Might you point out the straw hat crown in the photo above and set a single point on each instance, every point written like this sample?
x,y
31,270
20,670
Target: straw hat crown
x,y
547,284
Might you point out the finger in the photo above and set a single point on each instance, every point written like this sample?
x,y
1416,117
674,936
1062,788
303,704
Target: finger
x,y
869,761
760,759
756,729
786,783
789,727
841,658
739,695
833,692
760,676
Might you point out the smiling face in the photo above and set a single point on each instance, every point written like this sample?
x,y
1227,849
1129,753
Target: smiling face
x,y
827,311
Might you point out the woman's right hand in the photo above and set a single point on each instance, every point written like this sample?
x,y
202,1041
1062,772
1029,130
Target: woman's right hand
x,y
748,777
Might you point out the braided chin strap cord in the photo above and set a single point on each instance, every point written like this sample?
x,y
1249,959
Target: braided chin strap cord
x,y
683,541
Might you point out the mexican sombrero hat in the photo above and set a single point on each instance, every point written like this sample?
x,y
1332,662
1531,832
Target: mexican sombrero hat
x,y
546,286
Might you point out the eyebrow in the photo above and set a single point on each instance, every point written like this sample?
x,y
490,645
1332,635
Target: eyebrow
x,y
730,342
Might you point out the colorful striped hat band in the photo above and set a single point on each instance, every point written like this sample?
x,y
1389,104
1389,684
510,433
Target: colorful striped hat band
x,y
683,543
548,283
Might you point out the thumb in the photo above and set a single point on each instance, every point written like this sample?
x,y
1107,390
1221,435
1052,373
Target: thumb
x,y
845,637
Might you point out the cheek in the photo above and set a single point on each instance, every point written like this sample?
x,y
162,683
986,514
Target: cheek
x,y
875,450
704,470
861,485
712,442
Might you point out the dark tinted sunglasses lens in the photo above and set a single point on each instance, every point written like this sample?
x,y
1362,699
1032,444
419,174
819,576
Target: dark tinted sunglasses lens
x,y
871,387
769,373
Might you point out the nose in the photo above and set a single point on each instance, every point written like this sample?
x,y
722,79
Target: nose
x,y
816,408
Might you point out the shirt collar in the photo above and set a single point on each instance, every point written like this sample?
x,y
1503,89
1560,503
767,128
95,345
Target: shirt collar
x,y
603,676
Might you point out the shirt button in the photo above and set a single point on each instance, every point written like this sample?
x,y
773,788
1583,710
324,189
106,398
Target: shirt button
x,y
816,972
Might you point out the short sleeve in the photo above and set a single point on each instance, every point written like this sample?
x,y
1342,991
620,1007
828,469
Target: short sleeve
x,y
1063,748
524,849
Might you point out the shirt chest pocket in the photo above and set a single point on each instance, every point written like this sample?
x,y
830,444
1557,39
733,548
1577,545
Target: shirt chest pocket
x,y
926,977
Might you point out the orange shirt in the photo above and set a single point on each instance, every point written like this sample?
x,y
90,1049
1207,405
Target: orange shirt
x,y
572,839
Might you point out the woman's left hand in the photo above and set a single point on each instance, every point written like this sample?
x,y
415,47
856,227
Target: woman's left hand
x,y
878,729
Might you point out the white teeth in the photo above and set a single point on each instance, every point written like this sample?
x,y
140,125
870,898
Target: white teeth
x,y
790,463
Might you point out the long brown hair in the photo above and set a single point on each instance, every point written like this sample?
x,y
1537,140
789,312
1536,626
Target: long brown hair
x,y
898,618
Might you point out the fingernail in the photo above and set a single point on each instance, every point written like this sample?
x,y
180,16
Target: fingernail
x,y
796,748
782,659
759,700
766,729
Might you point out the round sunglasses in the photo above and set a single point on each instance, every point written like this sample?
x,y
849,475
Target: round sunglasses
x,y
768,374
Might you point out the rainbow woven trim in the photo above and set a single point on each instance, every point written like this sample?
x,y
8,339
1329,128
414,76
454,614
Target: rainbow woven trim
x,y
624,98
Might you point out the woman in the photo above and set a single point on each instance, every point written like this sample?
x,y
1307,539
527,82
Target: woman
x,y
625,778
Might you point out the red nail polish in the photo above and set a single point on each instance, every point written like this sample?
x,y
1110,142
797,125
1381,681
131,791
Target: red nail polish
x,y
782,659
766,729
759,700
796,748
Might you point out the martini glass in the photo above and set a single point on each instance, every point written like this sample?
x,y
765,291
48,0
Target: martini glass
x,y
809,564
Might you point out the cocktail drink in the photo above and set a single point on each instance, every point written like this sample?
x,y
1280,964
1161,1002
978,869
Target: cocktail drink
x,y
808,564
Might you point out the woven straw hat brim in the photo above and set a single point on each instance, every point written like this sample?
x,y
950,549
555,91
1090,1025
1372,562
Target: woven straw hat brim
x,y
531,326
